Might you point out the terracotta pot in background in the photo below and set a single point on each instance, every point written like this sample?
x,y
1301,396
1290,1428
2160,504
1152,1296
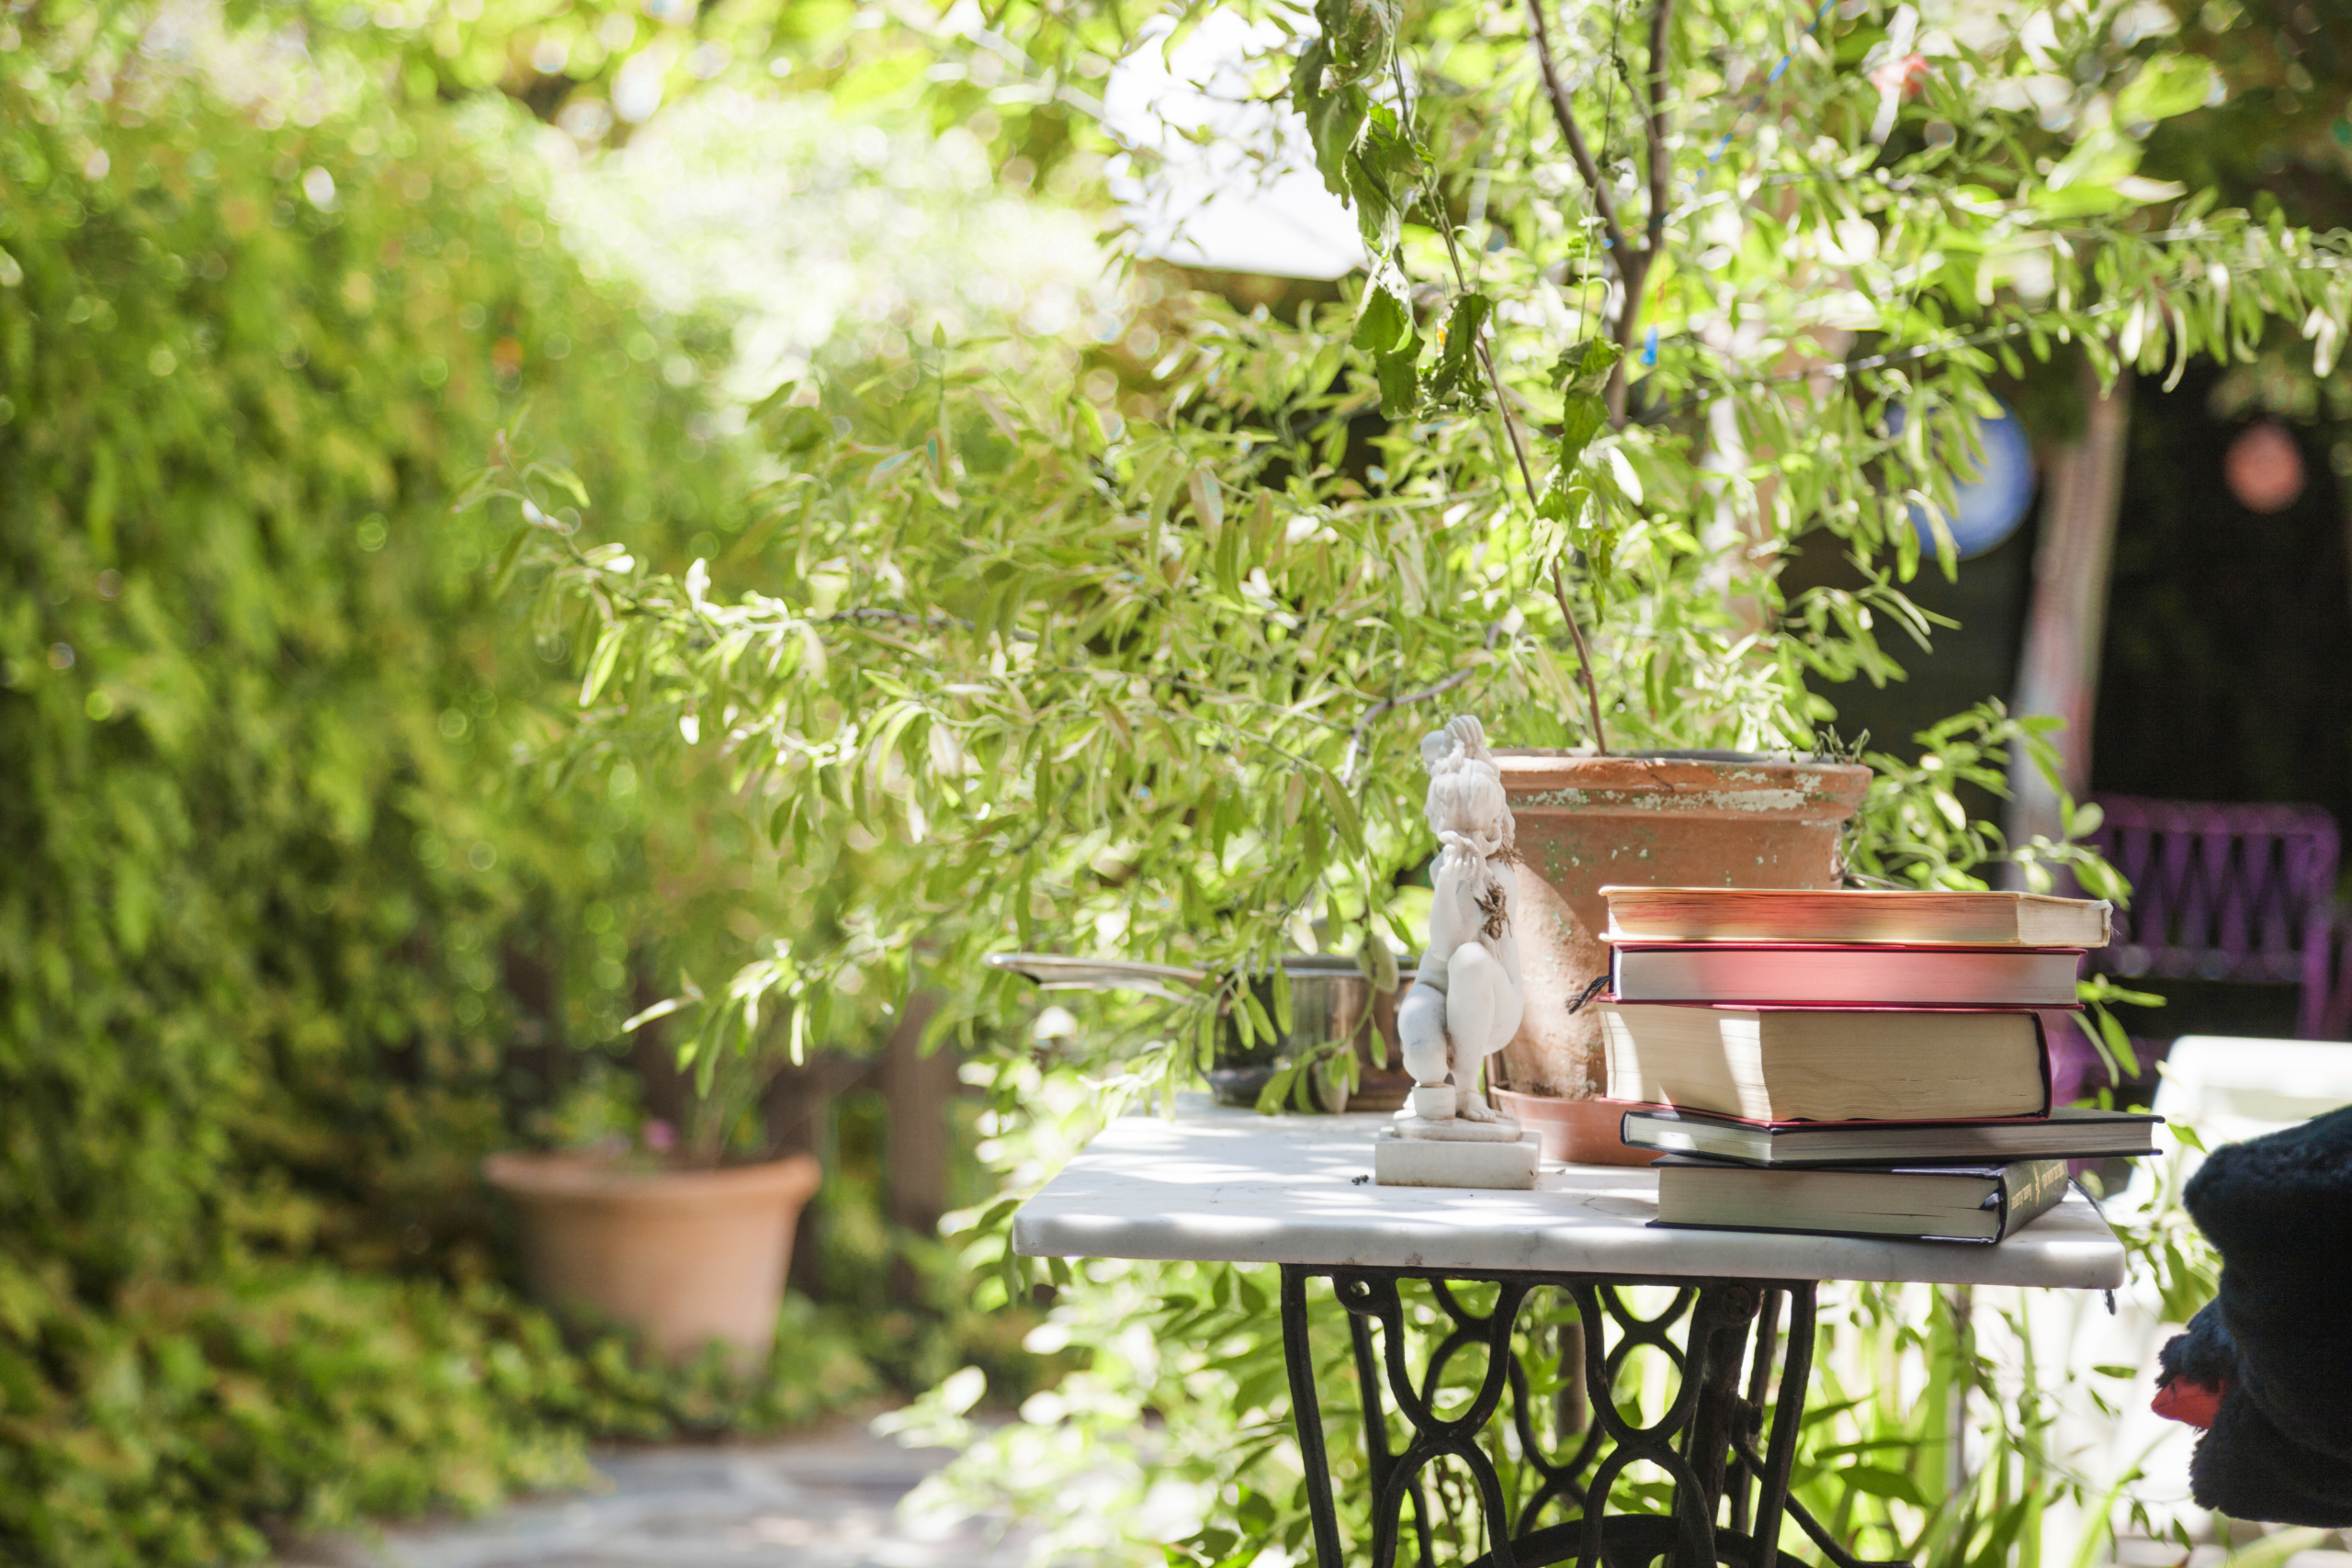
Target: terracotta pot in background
x,y
1581,1132
1383,1082
1698,819
685,1255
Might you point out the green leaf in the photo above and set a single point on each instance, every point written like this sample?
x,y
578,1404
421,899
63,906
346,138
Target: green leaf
x,y
1879,1482
2168,85
502,574
600,663
1342,809
1208,500
556,474
1582,374
1457,378
1582,415
1335,114
659,1009
1585,367
1384,320
1399,378
1361,35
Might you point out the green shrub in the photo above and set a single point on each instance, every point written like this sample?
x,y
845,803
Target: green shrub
x,y
283,951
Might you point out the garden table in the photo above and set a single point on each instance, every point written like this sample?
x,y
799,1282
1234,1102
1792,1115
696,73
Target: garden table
x,y
1216,1185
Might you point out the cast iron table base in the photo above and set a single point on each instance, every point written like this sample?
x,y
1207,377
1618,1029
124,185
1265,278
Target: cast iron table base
x,y
1707,1442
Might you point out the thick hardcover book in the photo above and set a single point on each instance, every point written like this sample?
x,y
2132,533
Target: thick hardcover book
x,y
2068,1133
1788,914
1817,976
1979,1203
1828,1063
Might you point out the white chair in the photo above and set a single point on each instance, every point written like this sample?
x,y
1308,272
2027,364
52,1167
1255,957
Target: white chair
x,y
2230,1091
2225,1090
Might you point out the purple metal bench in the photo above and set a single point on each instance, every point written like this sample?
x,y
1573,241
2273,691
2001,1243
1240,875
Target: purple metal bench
x,y
2227,892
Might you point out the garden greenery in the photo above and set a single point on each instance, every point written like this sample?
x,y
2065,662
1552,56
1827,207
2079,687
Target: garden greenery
x,y
283,952
1131,653
1136,662
1018,642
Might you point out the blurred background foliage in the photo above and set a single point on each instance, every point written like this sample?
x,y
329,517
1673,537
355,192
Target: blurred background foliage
x,y
288,943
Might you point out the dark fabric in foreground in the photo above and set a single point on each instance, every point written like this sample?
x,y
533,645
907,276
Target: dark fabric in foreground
x,y
2277,1337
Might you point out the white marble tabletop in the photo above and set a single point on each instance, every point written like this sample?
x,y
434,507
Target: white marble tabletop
x,y
1231,1185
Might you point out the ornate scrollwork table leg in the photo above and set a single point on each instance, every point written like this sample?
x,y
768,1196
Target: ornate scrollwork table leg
x,y
1705,1443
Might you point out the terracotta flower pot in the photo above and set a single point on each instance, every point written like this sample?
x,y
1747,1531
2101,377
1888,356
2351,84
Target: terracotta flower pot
x,y
1581,1132
685,1256
1699,819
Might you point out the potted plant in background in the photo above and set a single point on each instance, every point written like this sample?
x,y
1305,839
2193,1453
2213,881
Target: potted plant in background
x,y
674,1184
664,1235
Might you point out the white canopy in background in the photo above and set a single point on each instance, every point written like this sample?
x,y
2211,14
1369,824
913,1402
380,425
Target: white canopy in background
x,y
1247,197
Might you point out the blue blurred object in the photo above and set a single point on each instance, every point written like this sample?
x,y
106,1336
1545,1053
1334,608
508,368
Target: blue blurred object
x,y
1989,505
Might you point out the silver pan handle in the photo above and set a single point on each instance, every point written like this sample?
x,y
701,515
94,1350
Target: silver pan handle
x,y
1053,973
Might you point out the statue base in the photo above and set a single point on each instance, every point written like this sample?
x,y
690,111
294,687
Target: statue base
x,y
1498,1155
1455,1129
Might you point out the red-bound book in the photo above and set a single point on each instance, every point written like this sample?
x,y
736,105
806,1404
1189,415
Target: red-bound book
x,y
1770,1065
1825,974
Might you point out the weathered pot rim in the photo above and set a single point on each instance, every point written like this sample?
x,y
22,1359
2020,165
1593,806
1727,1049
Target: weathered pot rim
x,y
1762,788
561,1174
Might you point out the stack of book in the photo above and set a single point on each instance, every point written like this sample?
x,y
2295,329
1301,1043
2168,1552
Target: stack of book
x,y
1851,1063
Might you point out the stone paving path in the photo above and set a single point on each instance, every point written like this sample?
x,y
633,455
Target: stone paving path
x,y
825,1501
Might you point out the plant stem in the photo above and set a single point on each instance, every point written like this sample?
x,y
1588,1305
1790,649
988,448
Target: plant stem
x,y
1633,266
1584,658
1564,112
1511,426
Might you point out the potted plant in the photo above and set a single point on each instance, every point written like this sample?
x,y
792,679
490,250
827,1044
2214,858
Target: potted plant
x,y
685,1256
675,1180
682,1232
1661,819
1128,651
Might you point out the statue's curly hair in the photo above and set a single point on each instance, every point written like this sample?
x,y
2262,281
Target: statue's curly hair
x,y
1466,787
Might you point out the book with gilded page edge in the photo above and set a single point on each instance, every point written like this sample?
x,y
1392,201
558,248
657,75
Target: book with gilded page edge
x,y
2068,1133
1975,1203
1816,975
1791,1063
1917,918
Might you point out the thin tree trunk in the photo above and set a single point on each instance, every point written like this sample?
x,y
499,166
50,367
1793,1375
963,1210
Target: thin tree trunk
x,y
921,1140
2066,622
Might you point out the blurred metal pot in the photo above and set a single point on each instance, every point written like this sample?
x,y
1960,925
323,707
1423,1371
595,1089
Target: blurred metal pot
x,y
1331,1001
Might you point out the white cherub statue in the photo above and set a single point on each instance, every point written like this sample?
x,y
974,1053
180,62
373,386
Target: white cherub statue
x,y
1467,995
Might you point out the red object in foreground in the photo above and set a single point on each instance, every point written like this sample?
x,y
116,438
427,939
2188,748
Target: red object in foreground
x,y
1906,77
2193,1403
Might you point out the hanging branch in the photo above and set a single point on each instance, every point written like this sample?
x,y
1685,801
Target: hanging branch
x,y
1564,111
1372,714
1654,128
1493,377
1631,264
1584,656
